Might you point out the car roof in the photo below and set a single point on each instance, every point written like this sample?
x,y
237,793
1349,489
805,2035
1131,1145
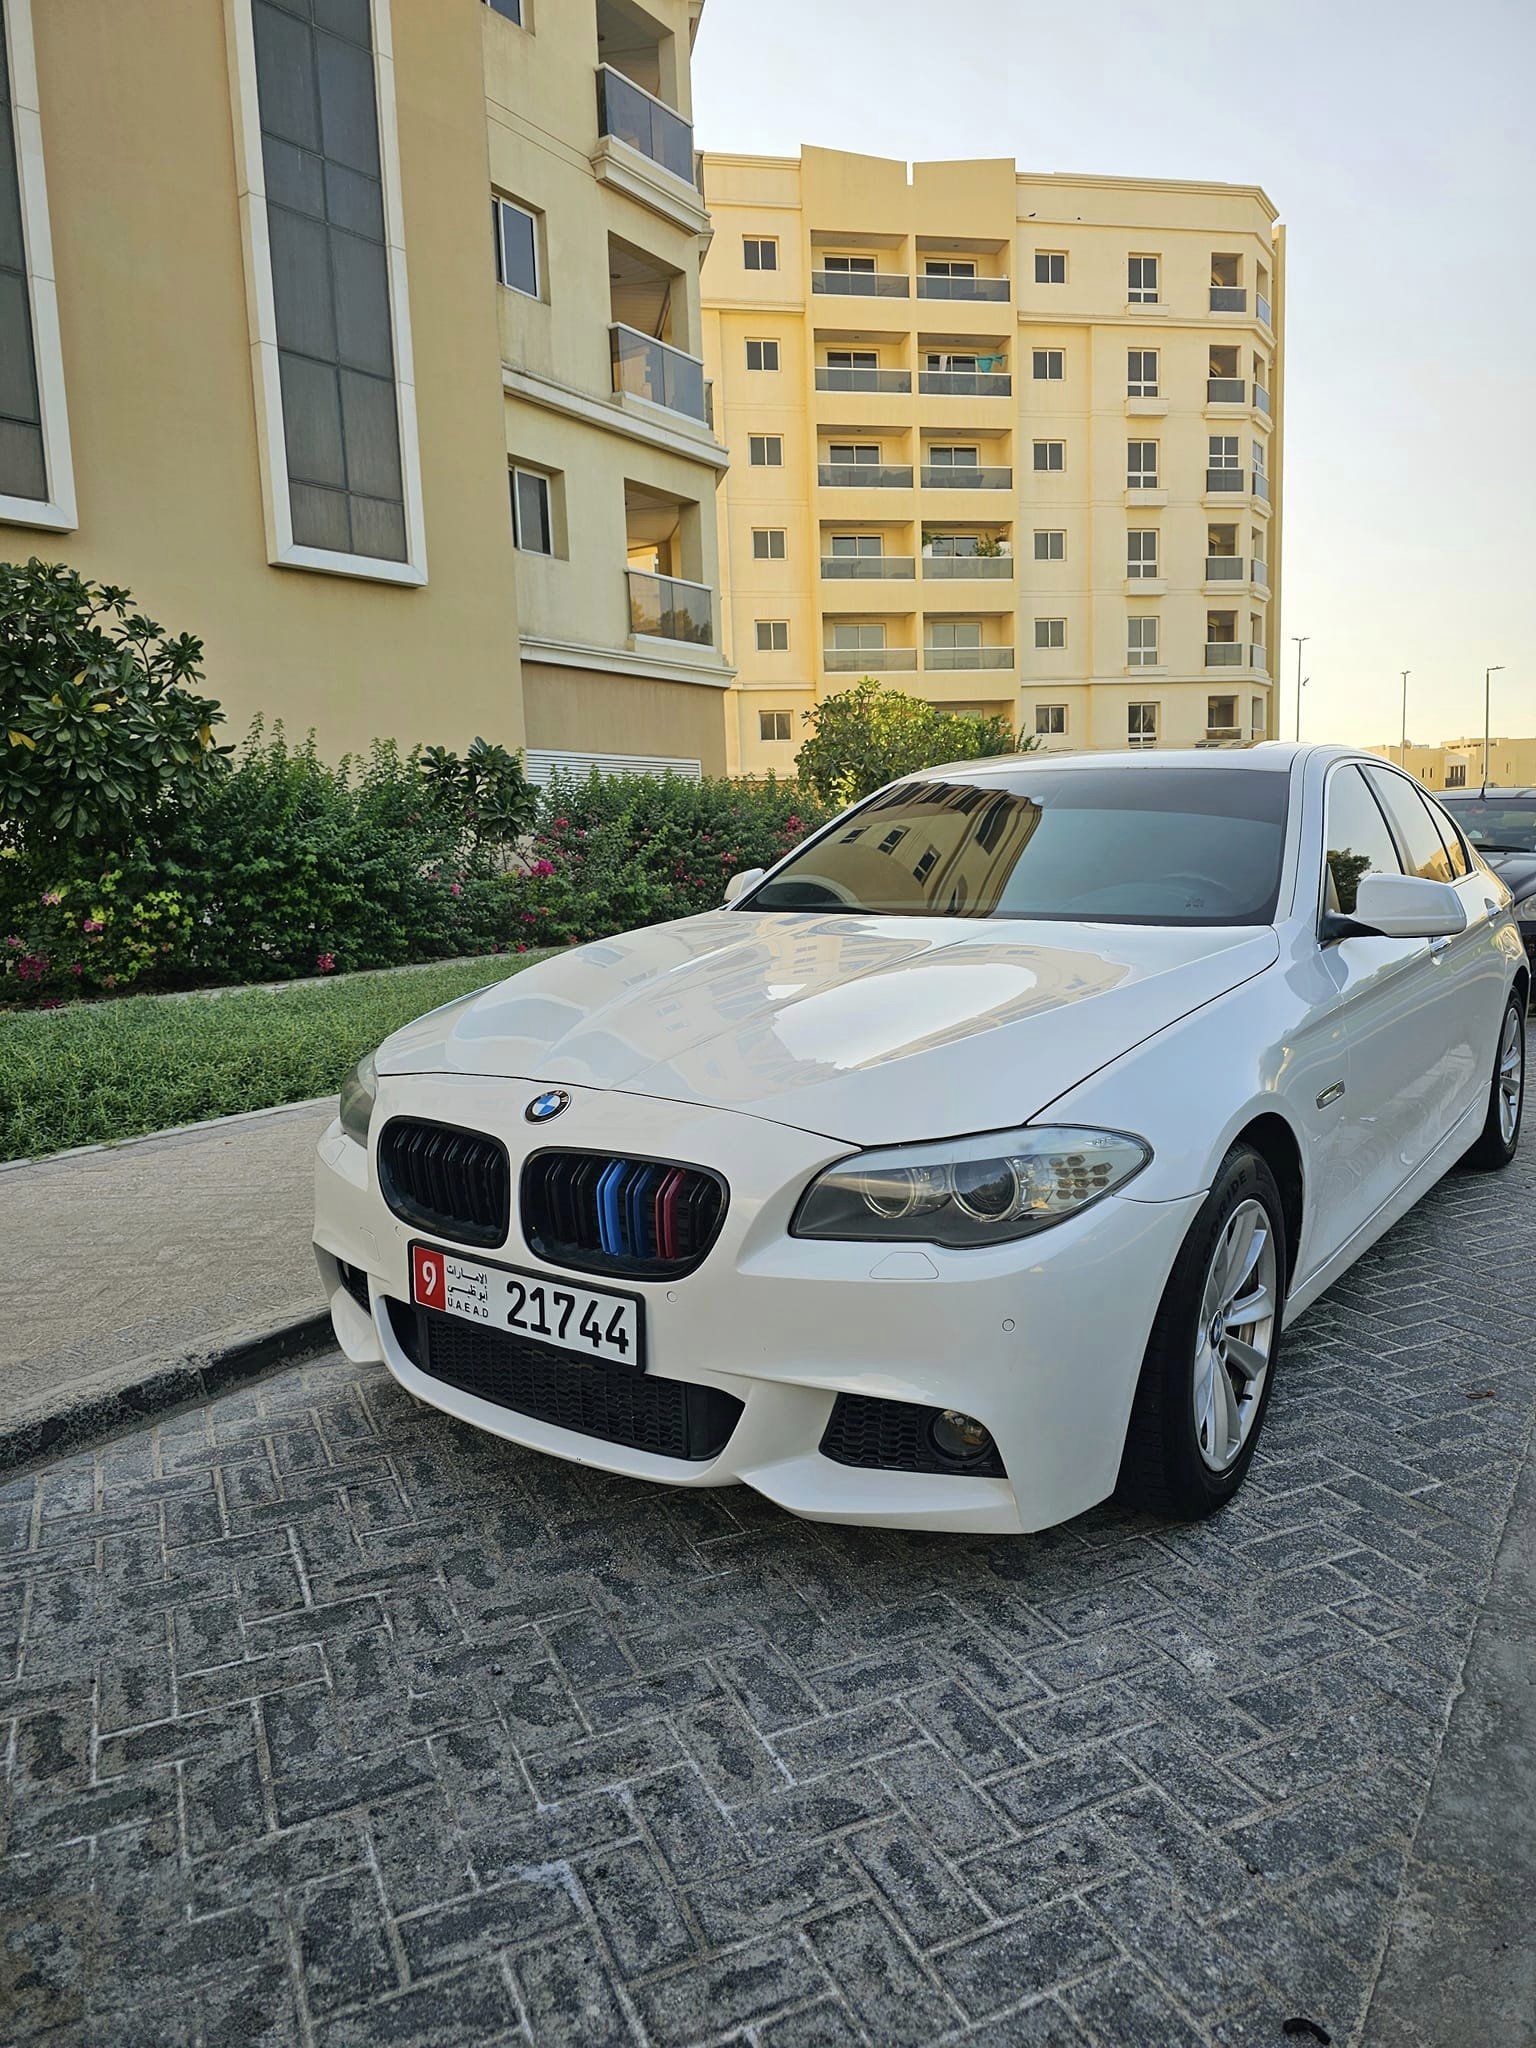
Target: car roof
x,y
1267,756
1469,795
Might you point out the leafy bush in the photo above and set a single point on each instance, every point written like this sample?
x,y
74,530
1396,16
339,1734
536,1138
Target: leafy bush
x,y
866,736
101,727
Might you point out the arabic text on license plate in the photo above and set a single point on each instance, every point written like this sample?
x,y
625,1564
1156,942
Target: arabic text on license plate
x,y
588,1322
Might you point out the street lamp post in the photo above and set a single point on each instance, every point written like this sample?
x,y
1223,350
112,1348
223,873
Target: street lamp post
x,y
1301,640
1402,752
1488,675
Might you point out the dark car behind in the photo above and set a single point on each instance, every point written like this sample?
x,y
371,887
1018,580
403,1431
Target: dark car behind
x,y
1501,824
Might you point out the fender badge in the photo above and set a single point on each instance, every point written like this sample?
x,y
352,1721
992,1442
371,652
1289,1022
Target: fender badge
x,y
544,1106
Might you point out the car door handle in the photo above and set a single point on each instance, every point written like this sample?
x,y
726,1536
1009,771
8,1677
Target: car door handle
x,y
1437,947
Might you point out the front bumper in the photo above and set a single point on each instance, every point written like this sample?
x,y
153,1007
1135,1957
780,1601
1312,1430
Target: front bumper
x,y
1041,1340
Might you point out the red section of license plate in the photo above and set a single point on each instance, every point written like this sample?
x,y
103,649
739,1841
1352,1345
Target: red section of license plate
x,y
428,1285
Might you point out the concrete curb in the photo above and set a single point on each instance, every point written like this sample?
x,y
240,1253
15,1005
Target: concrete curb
x,y
162,1384
207,1123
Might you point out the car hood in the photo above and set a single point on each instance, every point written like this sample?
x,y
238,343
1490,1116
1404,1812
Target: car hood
x,y
871,1029
1517,871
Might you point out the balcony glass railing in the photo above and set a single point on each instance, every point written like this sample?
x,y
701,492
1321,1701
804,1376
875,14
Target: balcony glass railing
x,y
994,289
1222,735
1223,568
967,657
1261,306
1260,398
1223,653
1261,573
864,476
867,568
1229,298
1258,657
654,370
965,383
872,661
940,476
1225,391
630,114
829,377
966,568
1226,479
1261,485
668,608
862,284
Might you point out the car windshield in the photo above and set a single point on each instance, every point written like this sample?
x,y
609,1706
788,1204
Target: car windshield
x,y
1497,824
1133,844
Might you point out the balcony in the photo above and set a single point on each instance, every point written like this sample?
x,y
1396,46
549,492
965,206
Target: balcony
x,y
867,661
965,383
1229,298
627,113
867,568
1260,572
1226,391
861,284
1260,399
1261,307
966,568
644,367
940,658
829,378
1261,485
1224,569
1224,654
864,476
1226,479
1223,735
995,289
941,477
1258,658
668,608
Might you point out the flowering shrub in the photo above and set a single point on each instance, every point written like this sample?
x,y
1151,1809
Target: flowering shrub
x,y
90,935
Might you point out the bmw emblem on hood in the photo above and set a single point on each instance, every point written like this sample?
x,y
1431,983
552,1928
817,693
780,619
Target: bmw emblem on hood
x,y
544,1106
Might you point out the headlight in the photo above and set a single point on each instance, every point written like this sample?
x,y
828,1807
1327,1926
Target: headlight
x,y
970,1191
359,1092
1525,913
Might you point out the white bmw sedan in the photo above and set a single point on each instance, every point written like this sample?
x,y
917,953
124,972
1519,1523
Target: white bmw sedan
x,y
966,1166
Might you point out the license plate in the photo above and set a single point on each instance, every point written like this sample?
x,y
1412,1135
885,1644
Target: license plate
x,y
590,1323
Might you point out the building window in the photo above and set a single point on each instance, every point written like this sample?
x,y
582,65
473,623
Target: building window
x,y
1050,632
854,635
36,473
509,10
517,246
1048,364
773,725
1050,455
773,636
848,547
336,419
948,455
1455,774
1050,266
765,451
949,267
759,252
854,454
1141,641
1050,718
1050,544
1141,373
1256,719
850,266
952,633
1141,465
1141,551
1141,280
1221,714
532,527
1223,451
767,543
762,355
1141,725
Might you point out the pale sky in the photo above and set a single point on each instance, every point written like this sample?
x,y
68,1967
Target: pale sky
x,y
1396,139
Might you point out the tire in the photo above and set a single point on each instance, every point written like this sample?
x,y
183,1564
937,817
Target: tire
x,y
1499,1140
1175,1463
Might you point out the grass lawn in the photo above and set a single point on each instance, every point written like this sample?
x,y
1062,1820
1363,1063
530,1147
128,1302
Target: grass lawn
x,y
96,1071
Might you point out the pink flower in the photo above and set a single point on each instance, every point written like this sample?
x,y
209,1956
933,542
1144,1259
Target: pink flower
x,y
519,949
561,823
325,963
93,924
33,968
455,889
15,942
543,867
52,896
75,967
50,1003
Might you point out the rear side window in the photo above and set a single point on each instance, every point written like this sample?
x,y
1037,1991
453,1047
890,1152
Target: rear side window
x,y
1460,864
1357,840
1423,848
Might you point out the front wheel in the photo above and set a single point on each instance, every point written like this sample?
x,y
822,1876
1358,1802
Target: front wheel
x,y
1499,1139
1210,1362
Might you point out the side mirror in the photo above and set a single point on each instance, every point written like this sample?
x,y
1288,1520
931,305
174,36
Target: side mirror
x,y
738,885
1401,907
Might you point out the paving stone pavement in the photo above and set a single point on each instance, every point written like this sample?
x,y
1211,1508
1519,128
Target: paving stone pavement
x,y
328,1721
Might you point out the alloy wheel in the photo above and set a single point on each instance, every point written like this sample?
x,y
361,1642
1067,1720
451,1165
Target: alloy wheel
x,y
1235,1336
1511,1078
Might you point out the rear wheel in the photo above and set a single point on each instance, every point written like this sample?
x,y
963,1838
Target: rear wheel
x,y
1499,1139
1210,1363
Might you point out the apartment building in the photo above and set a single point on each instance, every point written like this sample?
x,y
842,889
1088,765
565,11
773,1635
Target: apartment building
x,y
1458,764
1011,442
378,364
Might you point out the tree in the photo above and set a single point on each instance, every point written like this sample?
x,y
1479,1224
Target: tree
x,y
100,725
487,790
866,736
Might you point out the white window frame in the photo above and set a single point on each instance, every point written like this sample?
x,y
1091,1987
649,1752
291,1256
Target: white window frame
x,y
858,636
1050,719
1143,564
503,204
1054,632
763,344
856,547
57,512
1141,385
1054,362
541,476
1049,534
1049,468
949,266
775,738
1139,731
768,553
760,242
850,266
1258,718
1143,294
772,636
766,441
1142,479
1049,257
1139,644
282,549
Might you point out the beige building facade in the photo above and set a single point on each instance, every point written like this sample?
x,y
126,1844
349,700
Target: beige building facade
x,y
380,370
1458,764
1010,442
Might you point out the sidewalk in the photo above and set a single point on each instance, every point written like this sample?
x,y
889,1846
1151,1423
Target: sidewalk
x,y
149,1271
